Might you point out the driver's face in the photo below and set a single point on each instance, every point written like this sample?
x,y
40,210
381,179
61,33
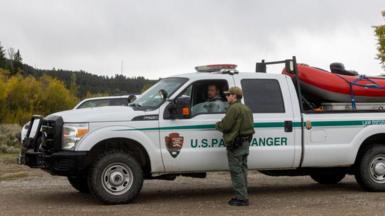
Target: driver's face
x,y
212,91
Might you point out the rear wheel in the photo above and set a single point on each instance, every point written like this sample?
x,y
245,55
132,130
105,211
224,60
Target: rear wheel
x,y
115,178
79,183
370,169
328,178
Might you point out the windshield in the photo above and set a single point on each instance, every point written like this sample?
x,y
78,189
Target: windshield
x,y
151,98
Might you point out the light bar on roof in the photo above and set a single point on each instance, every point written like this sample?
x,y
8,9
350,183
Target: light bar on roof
x,y
215,67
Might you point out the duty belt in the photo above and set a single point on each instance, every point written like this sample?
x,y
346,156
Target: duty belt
x,y
245,138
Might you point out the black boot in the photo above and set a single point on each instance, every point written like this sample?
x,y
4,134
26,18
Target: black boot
x,y
238,202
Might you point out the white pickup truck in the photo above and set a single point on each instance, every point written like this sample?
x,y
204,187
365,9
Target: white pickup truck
x,y
110,151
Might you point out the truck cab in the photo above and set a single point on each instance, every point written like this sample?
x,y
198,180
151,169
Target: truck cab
x,y
170,131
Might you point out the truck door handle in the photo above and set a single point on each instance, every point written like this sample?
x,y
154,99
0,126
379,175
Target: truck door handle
x,y
288,125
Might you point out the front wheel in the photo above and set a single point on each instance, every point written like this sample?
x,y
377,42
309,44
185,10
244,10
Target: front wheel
x,y
115,178
328,178
370,169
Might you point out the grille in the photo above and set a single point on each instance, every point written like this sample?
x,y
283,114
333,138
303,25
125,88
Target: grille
x,y
48,135
51,133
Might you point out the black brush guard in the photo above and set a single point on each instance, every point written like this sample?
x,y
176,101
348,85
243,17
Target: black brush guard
x,y
43,139
41,148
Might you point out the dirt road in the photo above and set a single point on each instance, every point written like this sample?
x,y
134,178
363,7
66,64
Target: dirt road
x,y
37,193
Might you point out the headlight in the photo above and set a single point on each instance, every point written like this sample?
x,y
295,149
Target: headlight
x,y
72,133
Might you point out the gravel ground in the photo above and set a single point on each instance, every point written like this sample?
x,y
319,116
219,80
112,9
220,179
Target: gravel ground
x,y
33,192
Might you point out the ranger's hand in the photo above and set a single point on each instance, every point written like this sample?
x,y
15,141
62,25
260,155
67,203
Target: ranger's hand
x,y
218,126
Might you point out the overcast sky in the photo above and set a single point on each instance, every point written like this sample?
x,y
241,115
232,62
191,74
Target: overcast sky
x,y
161,38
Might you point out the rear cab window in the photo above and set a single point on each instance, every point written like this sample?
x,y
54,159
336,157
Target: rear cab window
x,y
263,95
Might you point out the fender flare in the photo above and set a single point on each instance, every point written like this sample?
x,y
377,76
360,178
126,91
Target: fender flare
x,y
363,135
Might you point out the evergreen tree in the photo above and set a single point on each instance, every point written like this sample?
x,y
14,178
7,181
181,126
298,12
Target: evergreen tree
x,y
73,86
17,62
3,61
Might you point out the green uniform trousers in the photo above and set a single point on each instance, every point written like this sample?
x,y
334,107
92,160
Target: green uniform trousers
x,y
238,169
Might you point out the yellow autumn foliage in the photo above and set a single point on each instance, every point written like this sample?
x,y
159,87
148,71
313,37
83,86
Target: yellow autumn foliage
x,y
21,97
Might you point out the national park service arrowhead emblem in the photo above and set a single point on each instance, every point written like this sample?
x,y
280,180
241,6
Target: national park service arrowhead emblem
x,y
174,143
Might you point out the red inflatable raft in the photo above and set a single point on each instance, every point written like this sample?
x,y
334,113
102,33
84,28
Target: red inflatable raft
x,y
334,87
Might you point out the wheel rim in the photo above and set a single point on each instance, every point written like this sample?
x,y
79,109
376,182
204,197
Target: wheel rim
x,y
377,169
117,178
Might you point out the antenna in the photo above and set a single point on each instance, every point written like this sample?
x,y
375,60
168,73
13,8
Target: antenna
x,y
121,67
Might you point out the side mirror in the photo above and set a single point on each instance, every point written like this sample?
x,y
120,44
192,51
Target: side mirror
x,y
171,111
178,109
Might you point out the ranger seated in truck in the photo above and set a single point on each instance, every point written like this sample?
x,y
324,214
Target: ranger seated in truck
x,y
214,102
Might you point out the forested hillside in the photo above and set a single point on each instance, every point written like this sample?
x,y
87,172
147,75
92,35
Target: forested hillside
x,y
90,84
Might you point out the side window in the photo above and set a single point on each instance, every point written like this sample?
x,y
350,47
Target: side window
x,y
263,95
205,97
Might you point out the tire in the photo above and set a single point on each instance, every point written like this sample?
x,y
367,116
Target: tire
x,y
115,178
370,169
328,178
79,183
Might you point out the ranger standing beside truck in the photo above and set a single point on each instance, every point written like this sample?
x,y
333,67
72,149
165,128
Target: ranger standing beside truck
x,y
237,128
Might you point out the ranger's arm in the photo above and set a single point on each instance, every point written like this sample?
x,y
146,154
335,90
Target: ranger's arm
x,y
227,122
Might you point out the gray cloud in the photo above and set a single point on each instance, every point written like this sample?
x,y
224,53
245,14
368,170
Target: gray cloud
x,y
161,38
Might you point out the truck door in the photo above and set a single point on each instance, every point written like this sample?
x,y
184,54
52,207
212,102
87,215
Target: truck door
x,y
190,142
274,141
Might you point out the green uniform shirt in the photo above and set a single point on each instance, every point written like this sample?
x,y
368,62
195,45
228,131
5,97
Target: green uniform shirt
x,y
237,121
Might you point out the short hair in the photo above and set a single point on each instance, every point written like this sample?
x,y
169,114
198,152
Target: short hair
x,y
239,97
212,84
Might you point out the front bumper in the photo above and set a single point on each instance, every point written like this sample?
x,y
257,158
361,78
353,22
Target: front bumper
x,y
66,163
42,148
